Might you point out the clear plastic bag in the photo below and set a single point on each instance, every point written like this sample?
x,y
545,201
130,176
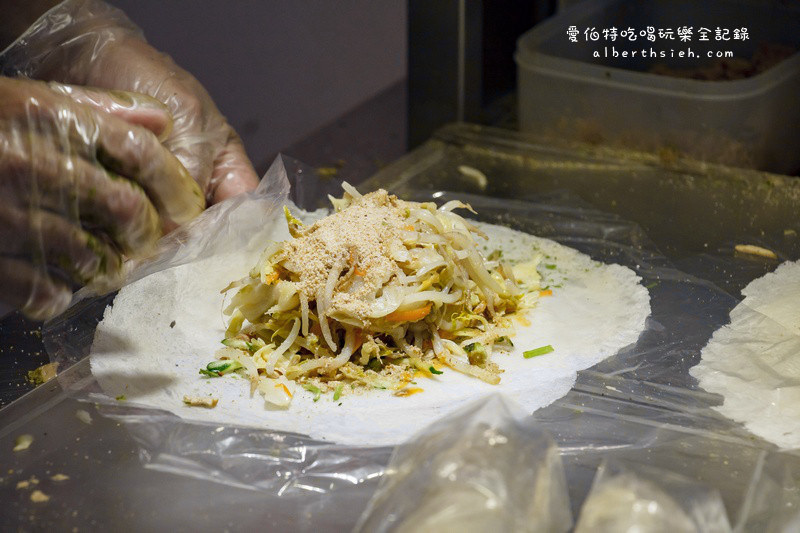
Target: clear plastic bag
x,y
479,469
635,497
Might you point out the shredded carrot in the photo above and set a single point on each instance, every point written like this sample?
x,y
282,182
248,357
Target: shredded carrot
x,y
410,227
272,278
285,389
546,292
360,272
412,315
408,392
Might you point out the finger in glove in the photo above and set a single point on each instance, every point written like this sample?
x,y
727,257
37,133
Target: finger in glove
x,y
133,108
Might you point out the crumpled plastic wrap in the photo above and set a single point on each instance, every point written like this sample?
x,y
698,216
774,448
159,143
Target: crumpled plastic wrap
x,y
480,469
640,405
633,497
215,231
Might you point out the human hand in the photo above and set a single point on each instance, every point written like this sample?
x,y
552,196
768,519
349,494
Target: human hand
x,y
87,42
83,180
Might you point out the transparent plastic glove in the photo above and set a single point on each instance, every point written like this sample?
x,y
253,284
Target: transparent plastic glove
x,y
87,42
82,182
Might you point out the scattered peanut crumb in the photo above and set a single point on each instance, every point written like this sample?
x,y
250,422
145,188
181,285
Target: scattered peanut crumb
x,y
59,477
83,416
43,374
23,442
752,249
201,401
38,496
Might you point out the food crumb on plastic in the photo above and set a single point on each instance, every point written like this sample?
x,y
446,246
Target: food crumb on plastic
x,y
752,249
475,174
83,416
790,233
38,496
59,477
22,442
43,374
23,485
200,401
172,324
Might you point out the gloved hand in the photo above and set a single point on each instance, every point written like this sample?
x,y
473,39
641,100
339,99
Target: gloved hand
x,y
83,179
87,42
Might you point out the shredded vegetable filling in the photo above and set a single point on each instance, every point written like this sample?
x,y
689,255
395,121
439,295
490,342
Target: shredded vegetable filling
x,y
376,295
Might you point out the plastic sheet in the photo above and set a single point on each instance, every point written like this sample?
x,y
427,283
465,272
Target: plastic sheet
x,y
640,405
632,497
215,231
478,470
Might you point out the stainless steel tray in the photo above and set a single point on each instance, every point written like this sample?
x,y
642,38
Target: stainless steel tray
x,y
675,222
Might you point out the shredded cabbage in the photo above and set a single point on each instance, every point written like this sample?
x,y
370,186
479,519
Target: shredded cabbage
x,y
438,301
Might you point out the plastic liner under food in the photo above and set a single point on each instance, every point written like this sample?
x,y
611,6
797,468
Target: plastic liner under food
x,y
639,403
480,469
634,497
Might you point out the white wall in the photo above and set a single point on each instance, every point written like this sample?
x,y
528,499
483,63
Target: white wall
x,y
280,69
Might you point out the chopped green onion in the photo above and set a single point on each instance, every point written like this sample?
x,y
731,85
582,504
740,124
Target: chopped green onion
x,y
476,353
550,267
338,392
537,351
652,285
314,390
434,371
121,398
215,369
505,340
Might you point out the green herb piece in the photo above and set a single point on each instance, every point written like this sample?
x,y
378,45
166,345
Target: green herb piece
x,y
239,344
550,267
314,390
537,351
651,285
375,364
476,353
121,398
505,340
215,369
338,392
434,371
